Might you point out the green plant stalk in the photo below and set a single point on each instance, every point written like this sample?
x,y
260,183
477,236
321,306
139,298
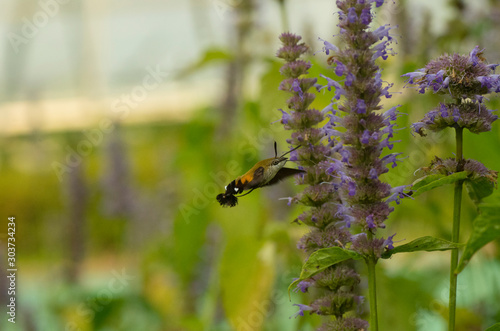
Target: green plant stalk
x,y
457,204
284,17
371,261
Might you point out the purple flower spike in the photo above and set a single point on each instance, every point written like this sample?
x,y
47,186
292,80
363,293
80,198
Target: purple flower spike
x,y
343,159
366,133
322,170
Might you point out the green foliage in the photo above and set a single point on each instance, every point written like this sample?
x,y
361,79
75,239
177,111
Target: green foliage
x,y
402,287
486,227
479,188
495,327
271,99
428,244
208,58
430,182
256,263
322,259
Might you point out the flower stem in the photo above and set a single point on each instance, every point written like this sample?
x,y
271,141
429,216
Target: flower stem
x,y
456,231
459,140
284,17
372,289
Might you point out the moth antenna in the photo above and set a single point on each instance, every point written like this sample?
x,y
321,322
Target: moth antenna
x,y
291,150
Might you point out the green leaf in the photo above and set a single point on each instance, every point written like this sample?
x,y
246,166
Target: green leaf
x,y
257,262
425,181
430,182
427,243
495,327
210,57
322,259
486,227
479,188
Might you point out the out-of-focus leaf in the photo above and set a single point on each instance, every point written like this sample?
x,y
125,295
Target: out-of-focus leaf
x,y
426,243
479,188
162,291
322,259
486,227
211,55
430,182
247,273
189,237
191,221
495,327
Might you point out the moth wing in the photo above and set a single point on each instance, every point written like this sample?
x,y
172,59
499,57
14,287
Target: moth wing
x,y
284,173
248,182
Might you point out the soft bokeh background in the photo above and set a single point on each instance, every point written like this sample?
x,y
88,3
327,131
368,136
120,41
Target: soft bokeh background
x,y
121,121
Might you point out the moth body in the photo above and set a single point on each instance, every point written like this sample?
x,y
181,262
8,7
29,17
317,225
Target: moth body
x,y
263,173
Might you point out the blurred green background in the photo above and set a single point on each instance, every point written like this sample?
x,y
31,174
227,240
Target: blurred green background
x,y
122,120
